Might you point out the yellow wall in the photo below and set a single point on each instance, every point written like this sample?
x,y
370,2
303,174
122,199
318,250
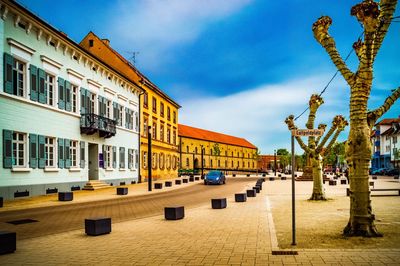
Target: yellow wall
x,y
165,153
242,158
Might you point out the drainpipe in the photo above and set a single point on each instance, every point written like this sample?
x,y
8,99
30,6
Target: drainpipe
x,y
140,123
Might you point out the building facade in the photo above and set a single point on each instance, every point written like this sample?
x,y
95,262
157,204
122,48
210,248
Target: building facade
x,y
385,141
158,111
267,162
223,152
66,116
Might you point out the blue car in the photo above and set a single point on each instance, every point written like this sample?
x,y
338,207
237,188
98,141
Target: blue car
x,y
214,177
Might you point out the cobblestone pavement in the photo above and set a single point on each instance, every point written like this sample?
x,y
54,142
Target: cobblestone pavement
x,y
241,234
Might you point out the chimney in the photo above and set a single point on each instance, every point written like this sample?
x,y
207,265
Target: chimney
x,y
106,42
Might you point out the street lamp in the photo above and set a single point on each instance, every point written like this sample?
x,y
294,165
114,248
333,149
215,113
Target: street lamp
x,y
202,160
275,162
149,158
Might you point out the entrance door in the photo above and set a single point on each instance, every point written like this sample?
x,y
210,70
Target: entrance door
x,y
93,161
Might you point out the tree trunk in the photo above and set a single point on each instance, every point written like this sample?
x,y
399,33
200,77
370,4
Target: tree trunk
x,y
358,151
318,188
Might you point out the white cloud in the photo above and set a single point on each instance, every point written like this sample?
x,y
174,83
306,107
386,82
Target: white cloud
x,y
258,114
155,26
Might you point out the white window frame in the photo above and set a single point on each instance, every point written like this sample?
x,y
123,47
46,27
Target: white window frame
x,y
75,93
54,88
16,150
121,115
18,62
48,145
74,150
108,157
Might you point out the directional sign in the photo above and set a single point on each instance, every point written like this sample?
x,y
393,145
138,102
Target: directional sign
x,y
307,132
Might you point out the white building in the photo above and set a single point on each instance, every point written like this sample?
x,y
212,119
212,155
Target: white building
x,y
66,117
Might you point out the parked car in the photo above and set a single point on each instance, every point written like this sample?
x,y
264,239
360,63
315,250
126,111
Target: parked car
x,y
379,171
214,177
393,172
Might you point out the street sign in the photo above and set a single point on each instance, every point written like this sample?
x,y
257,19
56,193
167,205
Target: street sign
x,y
307,132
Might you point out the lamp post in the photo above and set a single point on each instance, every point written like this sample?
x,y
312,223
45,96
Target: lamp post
x,y
149,158
202,161
275,162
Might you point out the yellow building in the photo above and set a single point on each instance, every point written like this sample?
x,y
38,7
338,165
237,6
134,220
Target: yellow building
x,y
223,152
157,110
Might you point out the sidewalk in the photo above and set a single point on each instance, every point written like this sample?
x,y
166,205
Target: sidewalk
x,y
241,234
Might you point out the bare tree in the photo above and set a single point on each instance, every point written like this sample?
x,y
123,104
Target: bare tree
x,y
375,19
315,148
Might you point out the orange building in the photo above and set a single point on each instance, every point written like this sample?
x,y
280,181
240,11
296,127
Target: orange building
x,y
220,151
157,111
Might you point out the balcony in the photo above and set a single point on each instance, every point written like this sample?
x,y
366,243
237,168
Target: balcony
x,y
377,143
92,123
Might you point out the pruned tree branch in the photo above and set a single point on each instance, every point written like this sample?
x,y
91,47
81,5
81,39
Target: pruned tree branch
x,y
341,123
290,123
374,115
387,9
323,127
320,29
326,137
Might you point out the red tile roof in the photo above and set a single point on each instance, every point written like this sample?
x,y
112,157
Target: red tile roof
x,y
389,121
197,133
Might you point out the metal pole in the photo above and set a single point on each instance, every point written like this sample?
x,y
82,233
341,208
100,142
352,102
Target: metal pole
x,y
149,159
293,198
275,162
202,161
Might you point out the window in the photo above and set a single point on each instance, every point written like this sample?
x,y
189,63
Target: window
x,y
108,108
74,94
219,163
195,150
174,137
19,149
121,157
154,105
154,129
74,153
154,160
394,139
108,156
161,163
187,149
120,115
50,150
145,100
174,117
162,109
144,160
211,163
19,72
49,83
187,162
168,113
92,101
128,118
168,162
168,135
131,159
162,132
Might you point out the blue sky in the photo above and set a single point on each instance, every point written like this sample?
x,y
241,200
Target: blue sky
x,y
240,66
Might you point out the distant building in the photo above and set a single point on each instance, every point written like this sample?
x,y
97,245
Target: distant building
x,y
66,116
223,152
267,163
158,110
385,141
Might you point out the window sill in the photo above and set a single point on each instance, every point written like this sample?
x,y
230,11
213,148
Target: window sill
x,y
109,169
133,170
122,169
24,169
74,169
51,169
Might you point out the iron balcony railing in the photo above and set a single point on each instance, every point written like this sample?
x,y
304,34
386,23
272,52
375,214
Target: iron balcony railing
x,y
92,123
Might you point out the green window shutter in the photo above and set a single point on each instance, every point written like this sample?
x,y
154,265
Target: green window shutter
x,y
88,103
34,83
115,111
8,73
82,154
130,162
126,118
42,151
42,86
33,150
114,163
83,101
68,96
136,159
61,93
67,145
7,149
61,160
